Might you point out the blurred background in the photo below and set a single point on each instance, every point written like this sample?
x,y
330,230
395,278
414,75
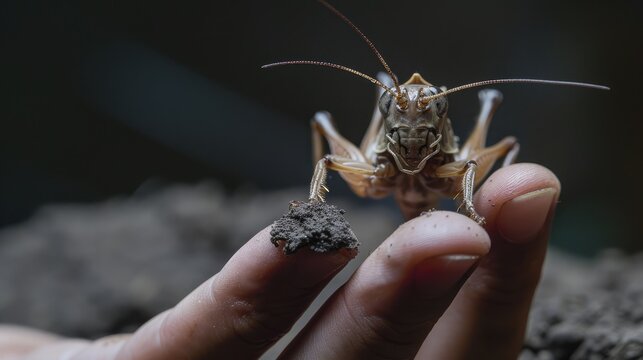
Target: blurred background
x,y
141,143
109,98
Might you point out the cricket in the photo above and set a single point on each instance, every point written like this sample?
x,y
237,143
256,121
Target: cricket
x,y
410,149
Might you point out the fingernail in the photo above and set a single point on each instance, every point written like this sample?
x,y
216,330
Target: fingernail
x,y
436,277
522,218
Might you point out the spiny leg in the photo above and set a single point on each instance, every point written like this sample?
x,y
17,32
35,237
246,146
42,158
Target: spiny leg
x,y
318,188
487,157
364,178
474,159
472,176
474,170
468,181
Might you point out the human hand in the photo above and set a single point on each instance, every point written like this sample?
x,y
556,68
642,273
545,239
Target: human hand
x,y
440,287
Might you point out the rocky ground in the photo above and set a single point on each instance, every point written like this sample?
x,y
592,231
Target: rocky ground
x,y
588,310
91,270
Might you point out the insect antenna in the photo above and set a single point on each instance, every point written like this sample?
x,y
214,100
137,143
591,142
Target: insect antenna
x,y
507,81
334,66
368,42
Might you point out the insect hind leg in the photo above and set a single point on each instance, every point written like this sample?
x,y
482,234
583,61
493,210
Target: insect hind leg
x,y
490,100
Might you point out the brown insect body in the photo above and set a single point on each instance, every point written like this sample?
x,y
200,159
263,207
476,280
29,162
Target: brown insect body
x,y
409,148
415,142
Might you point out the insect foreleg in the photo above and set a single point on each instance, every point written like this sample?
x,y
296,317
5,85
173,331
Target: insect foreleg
x,y
474,161
360,176
476,168
318,188
364,178
487,157
468,185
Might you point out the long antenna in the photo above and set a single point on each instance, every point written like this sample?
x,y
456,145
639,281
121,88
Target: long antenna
x,y
334,66
370,44
507,81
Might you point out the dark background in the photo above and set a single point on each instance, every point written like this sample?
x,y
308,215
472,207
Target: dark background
x,y
106,98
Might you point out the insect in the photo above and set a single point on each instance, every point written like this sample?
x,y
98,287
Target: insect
x,y
409,148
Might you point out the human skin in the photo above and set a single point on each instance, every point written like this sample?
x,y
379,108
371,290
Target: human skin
x,y
439,287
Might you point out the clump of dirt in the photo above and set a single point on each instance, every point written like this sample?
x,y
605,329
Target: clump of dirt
x,y
317,225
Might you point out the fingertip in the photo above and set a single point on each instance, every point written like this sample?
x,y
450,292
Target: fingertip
x,y
436,233
402,288
490,312
429,241
522,218
264,256
513,182
438,276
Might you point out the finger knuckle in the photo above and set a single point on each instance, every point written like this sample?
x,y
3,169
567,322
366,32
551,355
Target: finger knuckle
x,y
253,326
506,289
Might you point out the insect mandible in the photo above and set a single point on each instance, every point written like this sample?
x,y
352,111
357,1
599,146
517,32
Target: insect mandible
x,y
409,148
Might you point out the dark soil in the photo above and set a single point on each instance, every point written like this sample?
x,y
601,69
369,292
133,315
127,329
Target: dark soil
x,y
316,225
88,270
94,269
588,310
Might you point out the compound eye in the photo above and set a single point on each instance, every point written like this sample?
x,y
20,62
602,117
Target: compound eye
x,y
384,103
441,105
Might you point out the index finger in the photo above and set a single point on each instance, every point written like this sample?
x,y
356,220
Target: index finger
x,y
488,317
239,312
